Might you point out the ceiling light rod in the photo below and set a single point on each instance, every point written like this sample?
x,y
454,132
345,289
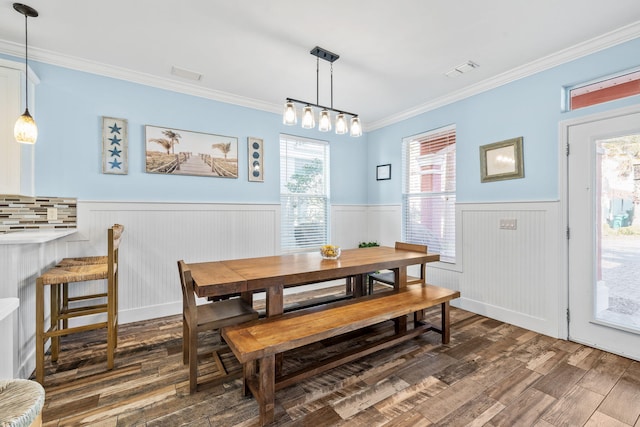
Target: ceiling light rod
x,y
290,116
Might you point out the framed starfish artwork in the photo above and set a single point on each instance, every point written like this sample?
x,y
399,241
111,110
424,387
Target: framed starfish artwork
x,y
115,135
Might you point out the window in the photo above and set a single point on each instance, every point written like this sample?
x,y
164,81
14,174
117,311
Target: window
x,y
304,193
429,191
604,90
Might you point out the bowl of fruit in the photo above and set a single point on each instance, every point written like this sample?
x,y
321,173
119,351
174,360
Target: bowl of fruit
x,y
330,252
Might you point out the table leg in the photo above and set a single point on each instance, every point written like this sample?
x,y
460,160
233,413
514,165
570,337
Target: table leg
x,y
359,287
275,306
247,297
400,277
446,326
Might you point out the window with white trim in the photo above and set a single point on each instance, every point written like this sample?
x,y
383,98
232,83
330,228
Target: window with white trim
x,y
429,191
304,193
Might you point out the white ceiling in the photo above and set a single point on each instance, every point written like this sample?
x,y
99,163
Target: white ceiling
x,y
393,54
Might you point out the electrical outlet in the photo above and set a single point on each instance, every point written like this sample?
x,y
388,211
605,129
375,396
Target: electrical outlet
x,y
508,224
52,214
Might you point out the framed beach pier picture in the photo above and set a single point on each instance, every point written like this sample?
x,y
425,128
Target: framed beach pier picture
x,y
182,152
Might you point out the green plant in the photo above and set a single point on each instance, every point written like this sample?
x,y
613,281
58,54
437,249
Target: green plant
x,y
367,244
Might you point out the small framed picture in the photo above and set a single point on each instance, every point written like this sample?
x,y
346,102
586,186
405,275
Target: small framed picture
x,y
501,160
383,172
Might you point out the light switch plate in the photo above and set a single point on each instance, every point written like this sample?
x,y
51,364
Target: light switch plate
x,y
508,224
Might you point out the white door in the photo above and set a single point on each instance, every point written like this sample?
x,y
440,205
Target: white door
x,y
604,227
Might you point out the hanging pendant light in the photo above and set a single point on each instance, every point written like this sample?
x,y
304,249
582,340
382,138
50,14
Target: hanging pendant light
x,y
25,129
308,120
341,124
324,123
289,116
356,128
324,119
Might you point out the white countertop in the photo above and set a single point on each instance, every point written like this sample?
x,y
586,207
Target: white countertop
x,y
40,236
8,306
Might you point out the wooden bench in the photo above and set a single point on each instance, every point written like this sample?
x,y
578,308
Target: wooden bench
x,y
257,343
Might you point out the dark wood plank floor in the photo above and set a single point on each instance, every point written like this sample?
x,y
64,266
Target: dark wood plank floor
x,y
491,374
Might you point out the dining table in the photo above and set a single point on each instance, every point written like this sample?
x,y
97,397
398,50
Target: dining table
x,y
272,274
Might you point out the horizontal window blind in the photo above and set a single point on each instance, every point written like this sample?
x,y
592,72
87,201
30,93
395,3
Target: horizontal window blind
x,y
429,191
304,193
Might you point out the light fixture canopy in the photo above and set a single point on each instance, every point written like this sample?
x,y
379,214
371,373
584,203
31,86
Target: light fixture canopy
x,y
324,118
25,130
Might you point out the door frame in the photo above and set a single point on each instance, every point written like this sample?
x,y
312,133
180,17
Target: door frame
x,y
563,183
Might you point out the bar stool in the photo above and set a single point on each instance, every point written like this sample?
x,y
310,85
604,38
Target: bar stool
x,y
21,403
58,279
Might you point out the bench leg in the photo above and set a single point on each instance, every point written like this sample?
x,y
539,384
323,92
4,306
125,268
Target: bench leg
x,y
446,327
248,372
267,388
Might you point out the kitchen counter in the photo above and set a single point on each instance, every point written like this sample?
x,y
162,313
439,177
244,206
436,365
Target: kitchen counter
x,y
39,236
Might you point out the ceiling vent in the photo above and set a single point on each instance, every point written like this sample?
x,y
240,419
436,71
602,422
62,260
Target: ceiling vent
x,y
461,69
186,74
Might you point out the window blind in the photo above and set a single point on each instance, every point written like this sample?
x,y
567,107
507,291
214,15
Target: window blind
x,y
429,191
304,193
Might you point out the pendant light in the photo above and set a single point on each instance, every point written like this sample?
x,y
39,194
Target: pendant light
x,y
324,118
25,129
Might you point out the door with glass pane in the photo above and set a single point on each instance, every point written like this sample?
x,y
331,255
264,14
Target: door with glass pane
x,y
604,222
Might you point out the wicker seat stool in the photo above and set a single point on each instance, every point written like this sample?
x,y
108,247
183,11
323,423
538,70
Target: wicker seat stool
x,y
58,279
21,403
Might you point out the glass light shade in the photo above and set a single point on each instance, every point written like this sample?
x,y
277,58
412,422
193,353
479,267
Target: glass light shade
x,y
289,117
308,121
324,124
25,129
356,128
341,124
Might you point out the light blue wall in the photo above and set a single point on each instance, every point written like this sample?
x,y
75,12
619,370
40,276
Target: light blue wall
x,y
69,109
70,105
529,107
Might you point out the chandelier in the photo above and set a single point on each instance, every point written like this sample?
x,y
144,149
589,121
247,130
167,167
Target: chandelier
x,y
290,116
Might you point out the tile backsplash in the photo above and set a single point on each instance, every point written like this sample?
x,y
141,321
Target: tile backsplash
x,y
23,213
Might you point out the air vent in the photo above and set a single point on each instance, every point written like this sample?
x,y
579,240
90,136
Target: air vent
x,y
461,69
186,74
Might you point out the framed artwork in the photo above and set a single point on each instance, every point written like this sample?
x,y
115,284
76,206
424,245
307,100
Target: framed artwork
x,y
115,136
501,160
256,159
383,172
182,152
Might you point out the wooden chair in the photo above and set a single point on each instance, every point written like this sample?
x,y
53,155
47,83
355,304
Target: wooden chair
x,y
388,278
59,278
206,317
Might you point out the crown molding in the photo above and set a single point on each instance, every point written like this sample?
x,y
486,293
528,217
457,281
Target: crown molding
x,y
579,50
605,41
79,64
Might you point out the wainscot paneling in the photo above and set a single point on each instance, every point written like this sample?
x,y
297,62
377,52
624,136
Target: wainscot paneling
x,y
512,274
348,225
20,265
157,235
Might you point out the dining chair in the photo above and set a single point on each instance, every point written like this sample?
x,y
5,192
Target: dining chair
x,y
59,278
210,316
388,278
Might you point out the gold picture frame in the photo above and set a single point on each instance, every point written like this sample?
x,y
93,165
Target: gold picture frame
x,y
501,160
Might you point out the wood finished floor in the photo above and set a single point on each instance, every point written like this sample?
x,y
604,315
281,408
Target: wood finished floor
x,y
491,374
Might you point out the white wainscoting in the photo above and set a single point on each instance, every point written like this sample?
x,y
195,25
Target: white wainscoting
x,y
510,275
157,235
513,275
20,265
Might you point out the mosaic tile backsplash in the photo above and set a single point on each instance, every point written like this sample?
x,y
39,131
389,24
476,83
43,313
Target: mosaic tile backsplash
x,y
22,213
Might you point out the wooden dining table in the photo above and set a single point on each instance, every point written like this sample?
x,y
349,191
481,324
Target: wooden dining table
x,y
272,274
